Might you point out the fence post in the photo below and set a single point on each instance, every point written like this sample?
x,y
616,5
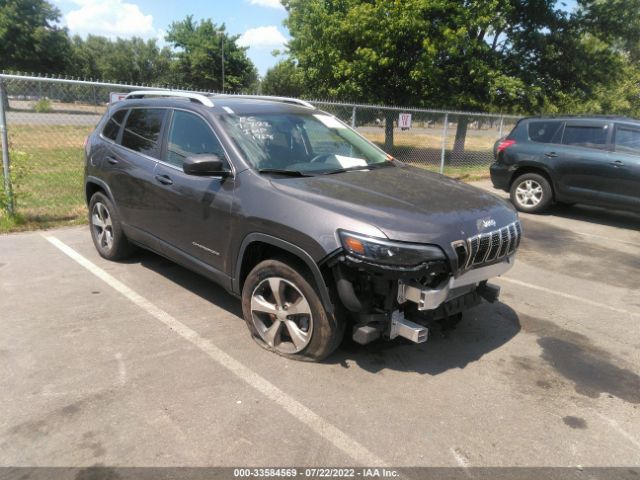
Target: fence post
x,y
501,126
353,117
5,149
444,142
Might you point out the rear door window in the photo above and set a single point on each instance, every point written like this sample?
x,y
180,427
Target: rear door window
x,y
627,140
142,130
589,136
545,131
190,135
112,128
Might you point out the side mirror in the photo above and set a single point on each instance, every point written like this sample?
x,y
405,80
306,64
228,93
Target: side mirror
x,y
204,165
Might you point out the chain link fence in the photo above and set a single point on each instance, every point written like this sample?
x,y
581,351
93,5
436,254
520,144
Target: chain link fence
x,y
459,144
44,122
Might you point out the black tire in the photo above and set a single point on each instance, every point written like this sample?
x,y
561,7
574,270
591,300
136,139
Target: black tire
x,y
101,210
531,193
321,331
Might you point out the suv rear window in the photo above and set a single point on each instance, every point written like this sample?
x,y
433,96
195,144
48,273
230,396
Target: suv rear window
x,y
590,136
142,131
112,128
545,131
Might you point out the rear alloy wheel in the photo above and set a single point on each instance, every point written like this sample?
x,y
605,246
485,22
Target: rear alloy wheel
x,y
284,313
531,193
106,230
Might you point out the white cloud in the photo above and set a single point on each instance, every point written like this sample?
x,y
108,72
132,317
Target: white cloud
x,y
111,18
262,37
267,3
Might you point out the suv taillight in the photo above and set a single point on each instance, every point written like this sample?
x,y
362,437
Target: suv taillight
x,y
505,144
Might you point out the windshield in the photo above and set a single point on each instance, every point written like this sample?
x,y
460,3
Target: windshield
x,y
313,143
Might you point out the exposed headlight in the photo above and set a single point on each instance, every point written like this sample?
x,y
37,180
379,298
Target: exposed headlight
x,y
388,253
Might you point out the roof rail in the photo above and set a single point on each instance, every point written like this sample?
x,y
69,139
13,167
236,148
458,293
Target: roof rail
x,y
295,101
204,100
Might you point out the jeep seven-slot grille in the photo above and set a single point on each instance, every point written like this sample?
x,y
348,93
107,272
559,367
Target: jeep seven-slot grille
x,y
488,247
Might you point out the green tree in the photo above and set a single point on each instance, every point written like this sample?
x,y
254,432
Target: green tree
x,y
131,60
30,40
198,52
284,79
414,52
484,55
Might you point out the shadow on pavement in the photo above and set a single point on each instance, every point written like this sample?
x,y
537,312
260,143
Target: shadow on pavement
x,y
189,280
597,215
482,330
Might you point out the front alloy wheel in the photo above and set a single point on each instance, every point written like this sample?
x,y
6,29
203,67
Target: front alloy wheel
x,y
284,313
281,315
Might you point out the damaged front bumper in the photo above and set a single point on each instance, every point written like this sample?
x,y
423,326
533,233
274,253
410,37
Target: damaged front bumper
x,y
432,298
413,306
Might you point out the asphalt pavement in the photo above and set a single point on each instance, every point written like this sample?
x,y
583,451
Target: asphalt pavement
x,y
143,363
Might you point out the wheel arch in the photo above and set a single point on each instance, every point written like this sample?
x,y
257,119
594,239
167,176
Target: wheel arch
x,y
259,246
92,185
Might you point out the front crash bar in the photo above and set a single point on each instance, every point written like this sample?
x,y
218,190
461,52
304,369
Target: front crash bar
x,y
432,298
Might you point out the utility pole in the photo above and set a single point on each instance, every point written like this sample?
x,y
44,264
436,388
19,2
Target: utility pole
x,y
221,31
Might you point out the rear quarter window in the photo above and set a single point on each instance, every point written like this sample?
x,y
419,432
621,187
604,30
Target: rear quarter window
x,y
142,130
545,131
112,127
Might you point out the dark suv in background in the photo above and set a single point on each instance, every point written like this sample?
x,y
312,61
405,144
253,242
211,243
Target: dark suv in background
x,y
285,206
590,160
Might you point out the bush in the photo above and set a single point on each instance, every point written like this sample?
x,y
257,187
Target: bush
x,y
43,106
20,166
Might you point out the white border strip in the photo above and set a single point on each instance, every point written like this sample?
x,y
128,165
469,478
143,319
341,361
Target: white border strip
x,y
329,432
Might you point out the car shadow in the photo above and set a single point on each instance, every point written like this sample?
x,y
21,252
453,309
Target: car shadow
x,y
195,283
597,215
482,330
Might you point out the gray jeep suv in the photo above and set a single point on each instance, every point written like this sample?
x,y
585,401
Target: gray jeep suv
x,y
313,226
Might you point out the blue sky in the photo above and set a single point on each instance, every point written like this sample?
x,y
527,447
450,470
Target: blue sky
x,y
259,22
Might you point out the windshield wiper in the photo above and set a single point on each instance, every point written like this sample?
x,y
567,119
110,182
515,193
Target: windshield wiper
x,y
292,173
371,166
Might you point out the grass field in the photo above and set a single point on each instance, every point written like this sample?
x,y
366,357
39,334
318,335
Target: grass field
x,y
48,190
50,193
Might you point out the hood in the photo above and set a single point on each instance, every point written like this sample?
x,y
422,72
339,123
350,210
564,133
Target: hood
x,y
406,203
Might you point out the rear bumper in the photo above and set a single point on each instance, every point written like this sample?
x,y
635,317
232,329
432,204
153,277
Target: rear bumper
x,y
500,176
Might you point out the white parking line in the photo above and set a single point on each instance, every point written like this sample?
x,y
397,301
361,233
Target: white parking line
x,y
331,433
620,430
570,297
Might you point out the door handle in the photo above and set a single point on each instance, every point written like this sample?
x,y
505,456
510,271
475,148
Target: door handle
x,y
112,160
551,154
164,179
617,163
